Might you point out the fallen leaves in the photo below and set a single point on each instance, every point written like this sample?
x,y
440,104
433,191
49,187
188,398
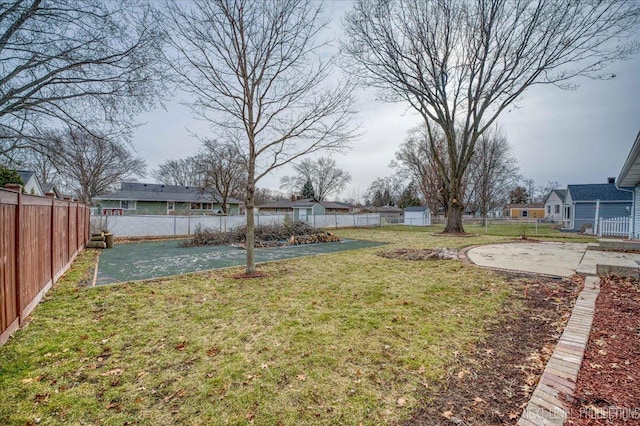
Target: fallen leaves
x,y
477,400
114,372
32,379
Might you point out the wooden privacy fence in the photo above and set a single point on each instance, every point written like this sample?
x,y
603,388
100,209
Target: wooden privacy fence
x,y
39,238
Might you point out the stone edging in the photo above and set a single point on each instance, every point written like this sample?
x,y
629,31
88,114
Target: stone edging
x,y
561,372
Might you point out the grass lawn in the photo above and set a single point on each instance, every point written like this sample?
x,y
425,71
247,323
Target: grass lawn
x,y
344,338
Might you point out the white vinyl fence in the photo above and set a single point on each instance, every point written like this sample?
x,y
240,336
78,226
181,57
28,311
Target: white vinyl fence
x,y
168,226
614,227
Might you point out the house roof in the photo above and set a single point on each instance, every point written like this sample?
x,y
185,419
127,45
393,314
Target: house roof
x,y
384,209
598,191
25,175
306,202
630,173
159,192
335,205
415,209
561,193
525,206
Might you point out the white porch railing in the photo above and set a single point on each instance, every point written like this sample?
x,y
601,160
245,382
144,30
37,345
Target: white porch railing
x,y
614,227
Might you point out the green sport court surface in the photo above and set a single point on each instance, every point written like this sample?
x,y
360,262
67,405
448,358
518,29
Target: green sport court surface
x,y
147,260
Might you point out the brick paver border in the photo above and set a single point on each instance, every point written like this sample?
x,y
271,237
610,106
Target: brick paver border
x,y
561,372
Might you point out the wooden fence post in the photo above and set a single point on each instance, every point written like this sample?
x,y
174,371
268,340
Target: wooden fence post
x,y
68,230
53,236
18,247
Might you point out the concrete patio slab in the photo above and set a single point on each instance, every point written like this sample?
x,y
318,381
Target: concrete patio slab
x,y
616,262
548,258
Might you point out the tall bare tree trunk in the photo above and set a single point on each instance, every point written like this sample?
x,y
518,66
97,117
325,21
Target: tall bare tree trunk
x,y
250,231
454,212
251,260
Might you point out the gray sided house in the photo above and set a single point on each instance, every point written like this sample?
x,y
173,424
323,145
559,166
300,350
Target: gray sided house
x,y
630,177
301,209
553,205
156,199
586,204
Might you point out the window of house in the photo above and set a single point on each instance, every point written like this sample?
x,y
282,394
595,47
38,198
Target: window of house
x,y
207,206
525,213
127,204
557,208
548,209
196,206
171,205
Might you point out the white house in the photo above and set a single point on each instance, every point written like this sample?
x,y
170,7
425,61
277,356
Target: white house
x,y
553,205
31,184
630,177
417,216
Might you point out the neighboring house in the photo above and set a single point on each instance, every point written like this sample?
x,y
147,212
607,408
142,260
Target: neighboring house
x,y
496,213
629,178
524,211
553,205
301,209
156,199
390,214
417,216
31,184
585,204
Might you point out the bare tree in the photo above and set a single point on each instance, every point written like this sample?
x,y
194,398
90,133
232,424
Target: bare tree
x,y
493,172
266,196
385,191
73,63
221,165
258,74
531,187
325,176
544,190
460,64
92,165
415,161
181,172
38,161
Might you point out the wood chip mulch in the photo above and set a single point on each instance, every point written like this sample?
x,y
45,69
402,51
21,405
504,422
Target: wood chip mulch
x,y
491,382
608,386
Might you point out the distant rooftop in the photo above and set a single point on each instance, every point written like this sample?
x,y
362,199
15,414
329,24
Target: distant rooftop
x,y
160,192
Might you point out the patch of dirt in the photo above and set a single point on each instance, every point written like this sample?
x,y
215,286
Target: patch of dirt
x,y
244,275
491,382
456,234
608,386
420,254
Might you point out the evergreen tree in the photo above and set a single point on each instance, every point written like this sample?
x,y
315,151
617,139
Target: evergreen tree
x,y
9,176
307,190
518,195
409,197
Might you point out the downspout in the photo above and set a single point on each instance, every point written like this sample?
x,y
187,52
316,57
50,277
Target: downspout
x,y
633,209
595,225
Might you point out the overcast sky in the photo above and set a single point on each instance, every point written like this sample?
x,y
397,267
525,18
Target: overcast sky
x,y
578,136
